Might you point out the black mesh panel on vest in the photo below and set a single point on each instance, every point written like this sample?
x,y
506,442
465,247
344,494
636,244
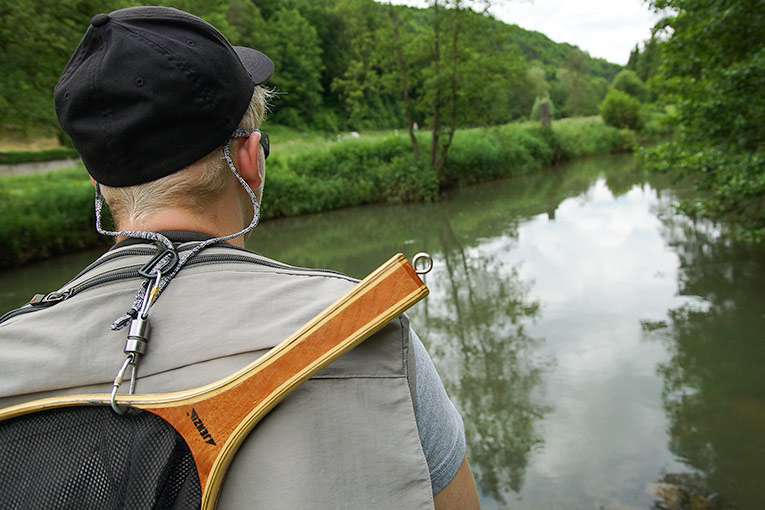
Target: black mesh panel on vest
x,y
89,457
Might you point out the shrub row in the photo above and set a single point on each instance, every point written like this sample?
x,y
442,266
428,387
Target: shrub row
x,y
16,157
358,172
49,214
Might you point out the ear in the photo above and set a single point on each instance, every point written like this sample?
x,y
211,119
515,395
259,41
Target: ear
x,y
247,157
93,182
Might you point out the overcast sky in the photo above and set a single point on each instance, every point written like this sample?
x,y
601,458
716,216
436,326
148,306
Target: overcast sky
x,y
604,28
607,29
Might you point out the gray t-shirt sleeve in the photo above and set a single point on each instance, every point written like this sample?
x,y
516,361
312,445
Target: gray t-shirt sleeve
x,y
442,432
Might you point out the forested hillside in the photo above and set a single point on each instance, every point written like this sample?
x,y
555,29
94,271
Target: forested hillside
x,y
340,64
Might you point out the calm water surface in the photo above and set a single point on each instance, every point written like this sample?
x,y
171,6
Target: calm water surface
x,y
605,353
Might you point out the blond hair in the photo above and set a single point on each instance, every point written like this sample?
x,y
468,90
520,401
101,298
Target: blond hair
x,y
193,188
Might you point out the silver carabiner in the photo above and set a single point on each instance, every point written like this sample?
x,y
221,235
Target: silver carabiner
x,y
129,362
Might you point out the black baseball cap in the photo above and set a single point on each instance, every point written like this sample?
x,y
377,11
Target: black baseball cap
x,y
150,90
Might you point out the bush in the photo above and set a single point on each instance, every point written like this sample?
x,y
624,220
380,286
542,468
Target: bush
x,y
352,173
409,179
580,137
620,110
538,141
327,120
476,155
629,83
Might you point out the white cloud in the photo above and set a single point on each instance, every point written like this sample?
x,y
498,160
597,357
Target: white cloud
x,y
606,29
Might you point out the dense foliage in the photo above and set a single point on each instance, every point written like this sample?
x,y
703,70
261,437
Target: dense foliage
x,y
713,69
645,61
337,65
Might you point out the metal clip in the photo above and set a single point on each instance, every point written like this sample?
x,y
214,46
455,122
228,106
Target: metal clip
x,y
129,362
138,335
146,270
135,346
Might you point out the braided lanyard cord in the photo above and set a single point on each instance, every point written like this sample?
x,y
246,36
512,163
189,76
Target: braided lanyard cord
x,y
166,277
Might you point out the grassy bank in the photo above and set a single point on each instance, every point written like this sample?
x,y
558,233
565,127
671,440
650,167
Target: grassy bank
x,y
51,214
44,215
360,171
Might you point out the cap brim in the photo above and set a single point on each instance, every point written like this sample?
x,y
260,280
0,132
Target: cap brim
x,y
257,64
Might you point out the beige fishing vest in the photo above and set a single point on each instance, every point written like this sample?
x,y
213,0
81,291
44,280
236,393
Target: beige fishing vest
x,y
346,439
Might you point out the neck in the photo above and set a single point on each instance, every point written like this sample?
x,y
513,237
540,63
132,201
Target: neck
x,y
181,220
227,215
218,220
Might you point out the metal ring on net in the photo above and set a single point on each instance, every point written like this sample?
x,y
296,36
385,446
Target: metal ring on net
x,y
428,263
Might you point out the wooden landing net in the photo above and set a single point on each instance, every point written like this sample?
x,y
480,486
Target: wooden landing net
x,y
213,420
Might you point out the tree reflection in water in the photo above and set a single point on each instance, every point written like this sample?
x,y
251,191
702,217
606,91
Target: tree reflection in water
x,y
713,392
475,326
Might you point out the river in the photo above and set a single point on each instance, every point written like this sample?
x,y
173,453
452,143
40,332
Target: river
x,y
605,353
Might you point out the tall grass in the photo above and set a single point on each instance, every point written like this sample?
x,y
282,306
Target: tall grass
x,y
49,214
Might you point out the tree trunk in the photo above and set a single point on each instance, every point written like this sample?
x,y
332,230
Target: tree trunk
x,y
544,114
437,100
453,91
404,86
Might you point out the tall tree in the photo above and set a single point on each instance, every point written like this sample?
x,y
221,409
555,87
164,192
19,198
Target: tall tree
x,y
335,21
537,78
296,54
714,70
369,84
582,98
398,47
491,90
437,89
446,72
248,25
649,59
633,60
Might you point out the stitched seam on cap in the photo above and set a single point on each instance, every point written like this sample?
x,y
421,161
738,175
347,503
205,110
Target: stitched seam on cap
x,y
73,62
204,24
102,107
175,61
172,14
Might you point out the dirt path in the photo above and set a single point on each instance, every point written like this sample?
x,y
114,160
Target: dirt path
x,y
36,168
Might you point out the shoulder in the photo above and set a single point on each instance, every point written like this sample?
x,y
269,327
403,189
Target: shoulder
x,y
440,426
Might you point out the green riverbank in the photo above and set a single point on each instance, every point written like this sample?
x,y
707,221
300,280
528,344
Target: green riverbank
x,y
51,214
